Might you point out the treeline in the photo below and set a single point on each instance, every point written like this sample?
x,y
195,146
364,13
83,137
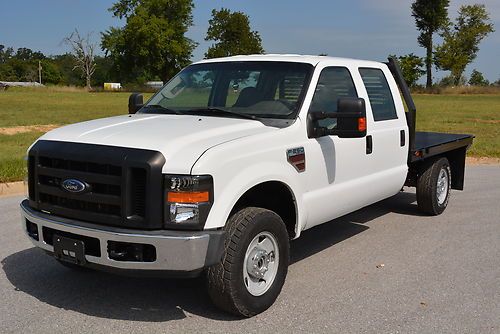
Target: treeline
x,y
25,64
151,46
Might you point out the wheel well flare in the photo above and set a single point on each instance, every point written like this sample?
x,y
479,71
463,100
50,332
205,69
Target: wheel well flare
x,y
275,196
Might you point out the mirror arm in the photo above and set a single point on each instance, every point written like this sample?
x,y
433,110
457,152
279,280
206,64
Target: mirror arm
x,y
319,115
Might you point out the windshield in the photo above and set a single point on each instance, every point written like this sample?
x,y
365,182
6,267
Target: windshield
x,y
261,89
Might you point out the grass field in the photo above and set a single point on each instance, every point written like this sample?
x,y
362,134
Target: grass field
x,y
474,114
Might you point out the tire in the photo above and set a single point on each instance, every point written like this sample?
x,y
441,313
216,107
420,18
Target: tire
x,y
434,187
232,285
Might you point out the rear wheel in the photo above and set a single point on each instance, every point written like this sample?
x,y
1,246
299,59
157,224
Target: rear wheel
x,y
434,186
253,270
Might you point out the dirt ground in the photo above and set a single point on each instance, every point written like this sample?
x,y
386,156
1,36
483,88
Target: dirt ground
x,y
14,130
482,161
487,121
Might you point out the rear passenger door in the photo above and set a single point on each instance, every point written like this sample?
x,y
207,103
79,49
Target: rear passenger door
x,y
388,137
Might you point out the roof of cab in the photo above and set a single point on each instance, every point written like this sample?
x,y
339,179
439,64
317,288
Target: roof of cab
x,y
314,60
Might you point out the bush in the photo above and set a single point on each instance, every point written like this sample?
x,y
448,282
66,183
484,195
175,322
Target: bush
x,y
477,79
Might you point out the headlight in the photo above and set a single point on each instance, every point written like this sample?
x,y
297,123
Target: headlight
x,y
188,201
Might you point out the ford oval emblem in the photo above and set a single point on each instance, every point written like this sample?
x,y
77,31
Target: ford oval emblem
x,y
74,186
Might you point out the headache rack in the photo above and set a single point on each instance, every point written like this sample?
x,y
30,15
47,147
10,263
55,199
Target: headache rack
x,y
425,144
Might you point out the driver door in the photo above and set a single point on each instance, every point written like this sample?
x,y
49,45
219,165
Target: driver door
x,y
339,168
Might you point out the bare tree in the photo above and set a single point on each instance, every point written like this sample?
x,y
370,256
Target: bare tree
x,y
83,50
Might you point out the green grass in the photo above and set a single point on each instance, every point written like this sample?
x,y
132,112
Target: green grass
x,y
46,106
12,153
473,114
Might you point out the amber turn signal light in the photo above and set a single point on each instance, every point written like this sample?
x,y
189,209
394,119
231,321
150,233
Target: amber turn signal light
x,y
188,197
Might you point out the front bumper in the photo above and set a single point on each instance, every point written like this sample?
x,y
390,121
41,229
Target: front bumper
x,y
177,252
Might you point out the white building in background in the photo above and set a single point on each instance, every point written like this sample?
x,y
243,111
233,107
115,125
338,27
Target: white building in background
x,y
154,84
6,84
112,86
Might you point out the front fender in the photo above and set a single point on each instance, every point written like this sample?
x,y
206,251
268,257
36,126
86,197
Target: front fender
x,y
229,187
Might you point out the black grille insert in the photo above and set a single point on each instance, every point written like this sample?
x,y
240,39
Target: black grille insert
x,y
73,204
137,198
80,166
123,185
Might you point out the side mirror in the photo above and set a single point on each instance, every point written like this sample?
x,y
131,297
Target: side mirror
x,y
351,120
135,102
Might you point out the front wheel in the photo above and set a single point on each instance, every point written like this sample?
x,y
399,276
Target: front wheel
x,y
434,187
253,270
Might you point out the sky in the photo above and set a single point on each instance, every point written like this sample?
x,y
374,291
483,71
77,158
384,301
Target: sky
x,y
369,29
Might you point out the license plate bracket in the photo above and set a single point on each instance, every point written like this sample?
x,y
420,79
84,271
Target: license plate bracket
x,y
69,250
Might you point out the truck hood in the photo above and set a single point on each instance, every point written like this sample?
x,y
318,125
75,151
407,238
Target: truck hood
x,y
181,139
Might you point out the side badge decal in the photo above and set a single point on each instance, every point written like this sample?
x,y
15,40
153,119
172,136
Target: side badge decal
x,y
297,158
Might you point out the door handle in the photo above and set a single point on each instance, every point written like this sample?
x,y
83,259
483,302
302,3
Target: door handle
x,y
369,144
402,138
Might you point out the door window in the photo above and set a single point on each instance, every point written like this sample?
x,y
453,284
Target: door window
x,y
379,93
334,83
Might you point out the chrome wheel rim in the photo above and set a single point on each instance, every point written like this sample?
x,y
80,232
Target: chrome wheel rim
x,y
442,186
261,264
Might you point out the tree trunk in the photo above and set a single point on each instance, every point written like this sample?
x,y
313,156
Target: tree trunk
x,y
457,75
428,62
89,88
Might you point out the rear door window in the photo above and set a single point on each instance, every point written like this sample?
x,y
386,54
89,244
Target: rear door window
x,y
379,93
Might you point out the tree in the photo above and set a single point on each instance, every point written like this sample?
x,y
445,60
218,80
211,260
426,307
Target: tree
x,y
430,17
50,72
152,43
450,81
23,65
5,53
103,71
28,54
477,79
7,72
461,42
411,67
232,35
83,51
65,64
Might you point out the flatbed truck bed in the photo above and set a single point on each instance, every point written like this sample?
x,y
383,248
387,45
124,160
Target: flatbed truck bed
x,y
428,144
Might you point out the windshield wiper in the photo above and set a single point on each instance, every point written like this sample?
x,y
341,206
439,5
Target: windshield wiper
x,y
163,109
211,110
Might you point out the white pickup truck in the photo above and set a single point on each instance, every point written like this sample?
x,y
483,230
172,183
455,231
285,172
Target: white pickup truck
x,y
227,163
